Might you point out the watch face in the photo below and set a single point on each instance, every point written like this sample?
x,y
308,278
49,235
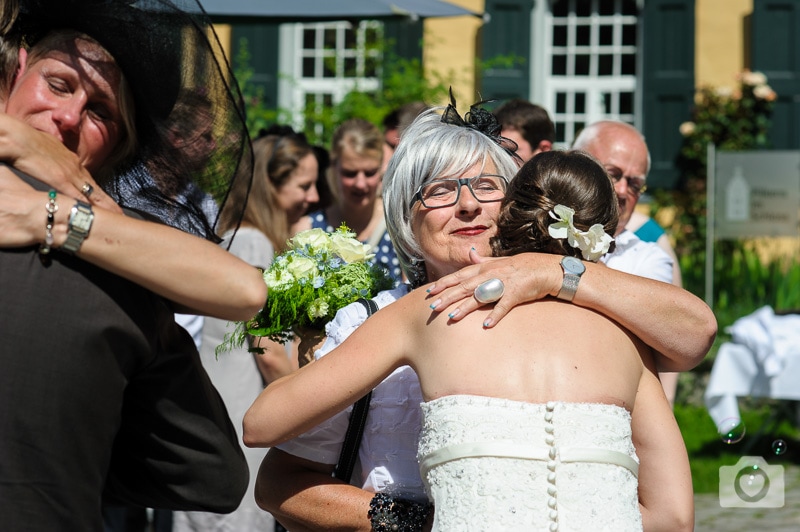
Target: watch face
x,y
81,219
573,265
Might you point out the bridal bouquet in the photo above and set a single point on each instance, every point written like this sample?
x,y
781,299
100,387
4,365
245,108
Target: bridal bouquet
x,y
319,274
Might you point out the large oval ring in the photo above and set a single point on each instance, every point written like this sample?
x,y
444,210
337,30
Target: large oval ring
x,y
489,291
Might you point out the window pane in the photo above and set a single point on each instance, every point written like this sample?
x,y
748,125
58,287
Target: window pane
x,y
309,39
606,7
578,127
371,66
583,35
607,102
583,8
350,67
329,67
626,103
629,35
560,132
559,35
308,67
559,65
560,8
628,64
329,41
350,39
629,7
605,65
606,35
561,102
580,102
582,64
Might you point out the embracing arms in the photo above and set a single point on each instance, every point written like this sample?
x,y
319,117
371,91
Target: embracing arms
x,y
671,320
196,274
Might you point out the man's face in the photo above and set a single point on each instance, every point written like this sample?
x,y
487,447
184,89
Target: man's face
x,y
624,156
524,148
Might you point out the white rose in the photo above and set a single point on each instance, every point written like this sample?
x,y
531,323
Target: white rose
x,y
350,249
301,267
753,78
277,278
764,92
315,238
687,128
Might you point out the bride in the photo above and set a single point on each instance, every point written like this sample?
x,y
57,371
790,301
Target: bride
x,y
534,423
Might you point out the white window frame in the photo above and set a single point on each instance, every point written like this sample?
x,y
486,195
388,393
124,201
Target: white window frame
x,y
293,88
594,87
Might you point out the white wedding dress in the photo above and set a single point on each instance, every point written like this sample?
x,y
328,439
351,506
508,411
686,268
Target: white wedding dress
x,y
496,464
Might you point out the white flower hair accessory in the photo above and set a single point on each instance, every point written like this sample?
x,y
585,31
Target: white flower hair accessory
x,y
593,243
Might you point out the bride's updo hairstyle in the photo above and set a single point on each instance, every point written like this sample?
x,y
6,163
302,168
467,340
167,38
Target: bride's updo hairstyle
x,y
571,178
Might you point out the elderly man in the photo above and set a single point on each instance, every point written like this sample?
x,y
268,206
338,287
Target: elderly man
x,y
623,151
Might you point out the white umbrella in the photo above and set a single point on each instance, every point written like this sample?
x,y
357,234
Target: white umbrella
x,y
307,10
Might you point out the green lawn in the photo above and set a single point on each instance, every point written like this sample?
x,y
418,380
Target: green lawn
x,y
707,451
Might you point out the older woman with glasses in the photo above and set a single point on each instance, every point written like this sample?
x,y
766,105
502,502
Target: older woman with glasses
x,y
435,160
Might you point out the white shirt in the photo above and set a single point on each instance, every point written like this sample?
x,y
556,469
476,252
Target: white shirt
x,y
645,259
387,459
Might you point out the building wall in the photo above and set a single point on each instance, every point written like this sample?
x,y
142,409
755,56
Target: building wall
x,y
720,45
450,49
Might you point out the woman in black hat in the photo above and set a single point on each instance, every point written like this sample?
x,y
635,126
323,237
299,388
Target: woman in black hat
x,y
181,178
103,395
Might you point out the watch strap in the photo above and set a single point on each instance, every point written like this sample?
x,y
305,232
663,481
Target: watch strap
x,y
569,286
76,235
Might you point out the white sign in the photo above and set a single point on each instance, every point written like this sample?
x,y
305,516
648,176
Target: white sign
x,y
757,194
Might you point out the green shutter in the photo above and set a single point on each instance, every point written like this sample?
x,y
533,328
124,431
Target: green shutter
x,y
667,58
775,48
405,36
506,35
263,45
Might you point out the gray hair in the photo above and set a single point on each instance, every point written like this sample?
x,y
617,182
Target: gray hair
x,y
601,131
430,149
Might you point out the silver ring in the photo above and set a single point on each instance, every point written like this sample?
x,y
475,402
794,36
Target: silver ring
x,y
489,291
87,190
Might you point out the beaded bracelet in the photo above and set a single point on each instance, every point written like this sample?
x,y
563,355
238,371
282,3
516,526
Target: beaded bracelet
x,y
52,208
387,514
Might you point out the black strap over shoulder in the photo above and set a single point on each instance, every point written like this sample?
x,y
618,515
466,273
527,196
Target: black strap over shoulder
x,y
358,418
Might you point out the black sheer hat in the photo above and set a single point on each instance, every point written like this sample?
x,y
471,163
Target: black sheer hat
x,y
190,115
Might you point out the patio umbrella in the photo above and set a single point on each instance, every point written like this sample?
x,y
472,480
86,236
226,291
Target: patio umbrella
x,y
312,10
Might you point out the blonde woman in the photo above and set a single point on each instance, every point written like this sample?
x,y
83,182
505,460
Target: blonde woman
x,y
355,177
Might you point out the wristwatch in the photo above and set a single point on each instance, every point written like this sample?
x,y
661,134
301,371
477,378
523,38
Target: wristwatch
x,y
80,222
573,269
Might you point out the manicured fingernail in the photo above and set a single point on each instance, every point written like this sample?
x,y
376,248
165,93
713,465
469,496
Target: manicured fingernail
x,y
435,304
454,313
487,323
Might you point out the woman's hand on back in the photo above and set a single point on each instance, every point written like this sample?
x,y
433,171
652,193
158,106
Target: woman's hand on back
x,y
526,277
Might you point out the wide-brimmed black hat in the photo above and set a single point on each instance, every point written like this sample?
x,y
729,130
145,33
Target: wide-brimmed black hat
x,y
190,115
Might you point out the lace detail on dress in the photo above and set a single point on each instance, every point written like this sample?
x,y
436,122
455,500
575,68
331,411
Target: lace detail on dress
x,y
541,488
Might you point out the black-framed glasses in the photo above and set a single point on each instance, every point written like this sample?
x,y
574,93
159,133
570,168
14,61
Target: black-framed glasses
x,y
485,188
635,184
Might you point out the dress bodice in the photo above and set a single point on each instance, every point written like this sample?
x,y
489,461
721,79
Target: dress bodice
x,y
496,464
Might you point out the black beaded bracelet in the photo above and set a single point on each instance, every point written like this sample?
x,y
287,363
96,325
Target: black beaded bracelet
x,y
387,514
52,208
